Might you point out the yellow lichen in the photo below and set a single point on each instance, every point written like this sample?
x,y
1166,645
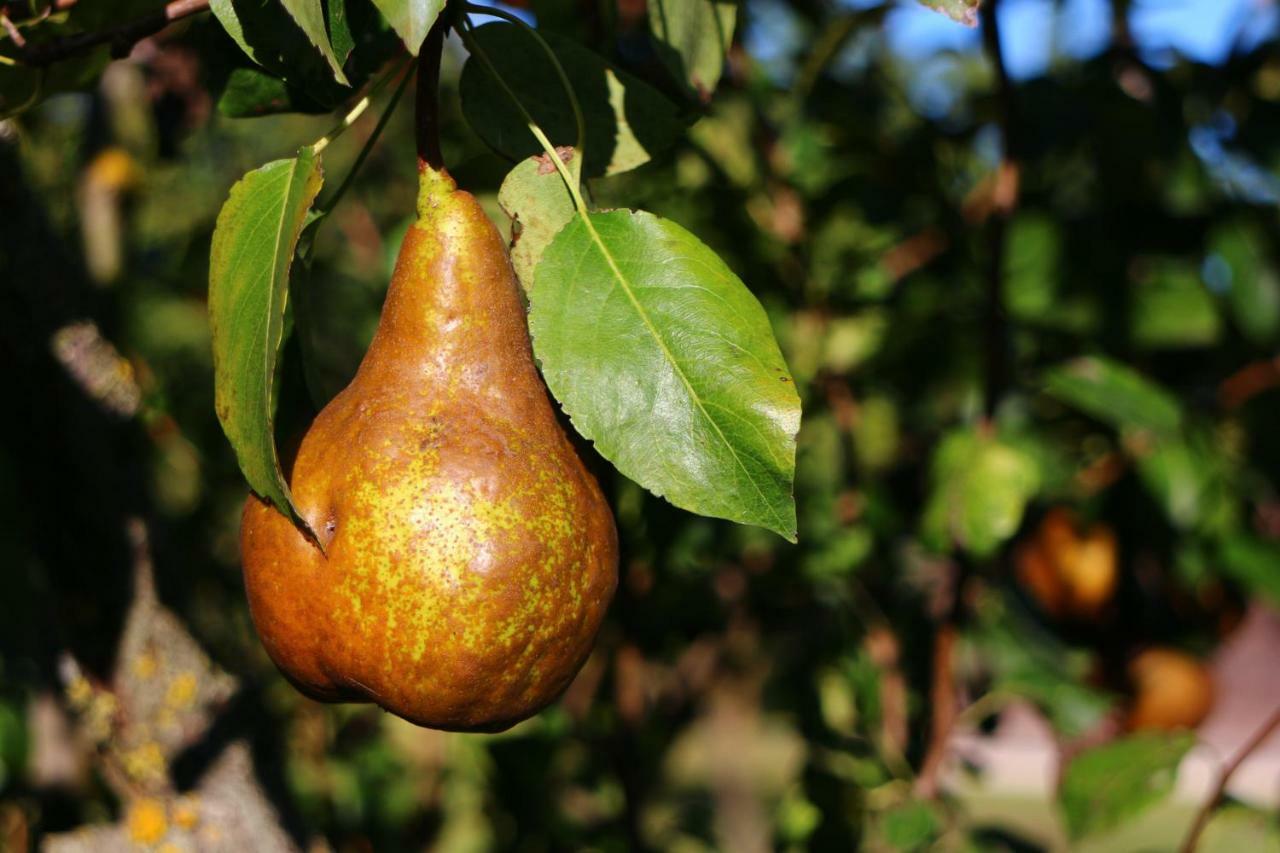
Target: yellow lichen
x,y
79,692
145,763
186,812
145,666
182,691
147,821
99,715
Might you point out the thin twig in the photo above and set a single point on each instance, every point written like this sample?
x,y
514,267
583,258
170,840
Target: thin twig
x,y
14,33
367,148
20,11
1224,778
122,38
1248,382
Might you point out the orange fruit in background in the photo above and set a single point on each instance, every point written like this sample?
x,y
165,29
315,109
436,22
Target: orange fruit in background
x,y
1171,690
1071,572
114,168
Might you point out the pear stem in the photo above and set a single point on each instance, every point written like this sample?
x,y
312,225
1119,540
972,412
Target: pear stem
x,y
428,98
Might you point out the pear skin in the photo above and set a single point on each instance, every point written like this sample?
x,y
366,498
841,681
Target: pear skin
x,y
469,556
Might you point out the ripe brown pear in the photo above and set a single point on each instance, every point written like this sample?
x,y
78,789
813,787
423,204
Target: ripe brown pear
x,y
468,555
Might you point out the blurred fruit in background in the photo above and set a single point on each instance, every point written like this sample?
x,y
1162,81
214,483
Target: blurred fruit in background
x,y
1171,690
108,180
1068,569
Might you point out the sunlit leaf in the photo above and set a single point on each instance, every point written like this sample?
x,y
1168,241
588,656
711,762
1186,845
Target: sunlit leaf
x,y
980,488
1109,785
1114,394
534,195
229,16
913,825
1172,308
309,15
963,11
411,19
693,39
253,248
1190,478
663,358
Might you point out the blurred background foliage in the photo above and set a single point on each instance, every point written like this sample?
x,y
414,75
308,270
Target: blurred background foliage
x,y
1033,309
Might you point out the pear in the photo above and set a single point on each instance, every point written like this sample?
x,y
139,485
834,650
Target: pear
x,y
1071,571
468,555
1171,690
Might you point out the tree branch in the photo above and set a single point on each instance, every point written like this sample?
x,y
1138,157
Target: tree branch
x,y
944,709
122,38
1264,731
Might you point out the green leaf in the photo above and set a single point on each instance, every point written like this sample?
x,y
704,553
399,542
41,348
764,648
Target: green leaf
x,y
627,120
15,742
1254,563
962,11
1033,288
912,825
535,198
981,485
1192,479
271,37
227,14
665,360
1114,394
309,15
1254,287
339,30
1107,786
250,91
276,70
1172,308
411,19
253,248
1013,656
693,39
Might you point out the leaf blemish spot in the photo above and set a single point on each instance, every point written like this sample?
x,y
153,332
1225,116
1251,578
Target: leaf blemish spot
x,y
546,167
